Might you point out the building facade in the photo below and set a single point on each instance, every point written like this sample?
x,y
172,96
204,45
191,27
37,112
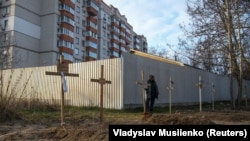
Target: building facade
x,y
35,33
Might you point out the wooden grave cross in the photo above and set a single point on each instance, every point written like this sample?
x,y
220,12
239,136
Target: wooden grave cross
x,y
170,88
62,70
143,85
200,85
213,91
245,95
102,81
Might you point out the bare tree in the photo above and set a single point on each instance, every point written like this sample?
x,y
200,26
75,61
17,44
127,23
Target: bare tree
x,y
8,92
159,51
218,37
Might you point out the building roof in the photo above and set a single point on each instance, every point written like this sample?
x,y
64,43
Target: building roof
x,y
155,57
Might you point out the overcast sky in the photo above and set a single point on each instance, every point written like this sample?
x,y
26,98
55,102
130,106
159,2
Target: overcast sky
x,y
157,20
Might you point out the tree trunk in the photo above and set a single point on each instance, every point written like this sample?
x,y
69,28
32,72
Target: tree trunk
x,y
229,20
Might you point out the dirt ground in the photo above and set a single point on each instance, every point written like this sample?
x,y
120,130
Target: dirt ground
x,y
94,130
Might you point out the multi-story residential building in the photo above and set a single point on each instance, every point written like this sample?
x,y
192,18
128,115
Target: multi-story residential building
x,y
140,43
36,32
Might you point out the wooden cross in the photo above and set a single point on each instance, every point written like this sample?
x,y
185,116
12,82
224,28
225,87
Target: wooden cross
x,y
170,88
245,95
143,85
213,91
200,85
102,82
62,70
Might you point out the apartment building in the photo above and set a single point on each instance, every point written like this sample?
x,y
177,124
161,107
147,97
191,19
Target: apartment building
x,y
36,32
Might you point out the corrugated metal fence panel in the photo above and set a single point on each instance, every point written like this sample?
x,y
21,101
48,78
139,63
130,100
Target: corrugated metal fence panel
x,y
81,91
32,83
185,79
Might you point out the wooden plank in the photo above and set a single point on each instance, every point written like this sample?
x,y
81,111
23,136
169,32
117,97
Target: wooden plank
x,y
59,73
63,68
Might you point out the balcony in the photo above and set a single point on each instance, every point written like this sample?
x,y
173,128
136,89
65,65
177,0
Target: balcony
x,y
92,39
89,58
92,11
66,50
114,49
89,28
91,54
92,19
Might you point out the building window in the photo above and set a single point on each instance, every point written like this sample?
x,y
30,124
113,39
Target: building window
x,y
5,24
6,36
83,12
77,20
76,51
104,26
104,43
66,31
108,44
109,20
77,40
67,20
92,44
108,52
115,45
78,9
77,61
83,23
92,54
77,30
83,43
92,24
83,55
5,11
115,54
66,44
92,34
68,56
83,33
67,7
104,33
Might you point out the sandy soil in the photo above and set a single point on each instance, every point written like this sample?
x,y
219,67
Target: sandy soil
x,y
94,130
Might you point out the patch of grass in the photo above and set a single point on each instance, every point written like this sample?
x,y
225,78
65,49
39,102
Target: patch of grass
x,y
37,114
52,113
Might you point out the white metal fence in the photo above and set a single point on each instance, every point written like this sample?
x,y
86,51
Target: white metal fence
x,y
32,83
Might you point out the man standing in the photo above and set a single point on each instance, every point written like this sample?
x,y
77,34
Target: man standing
x,y
152,94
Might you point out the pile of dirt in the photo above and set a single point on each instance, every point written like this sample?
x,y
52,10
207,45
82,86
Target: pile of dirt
x,y
178,119
55,132
92,129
